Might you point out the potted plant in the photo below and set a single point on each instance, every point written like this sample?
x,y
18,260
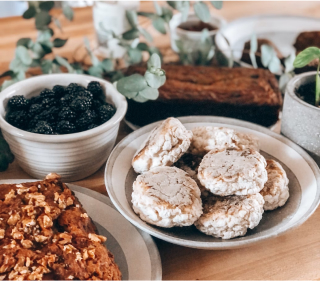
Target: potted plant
x,y
301,105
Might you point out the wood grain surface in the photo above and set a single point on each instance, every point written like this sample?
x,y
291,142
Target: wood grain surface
x,y
295,255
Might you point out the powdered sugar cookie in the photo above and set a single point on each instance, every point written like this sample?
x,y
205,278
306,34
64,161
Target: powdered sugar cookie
x,y
231,216
166,197
210,138
164,146
275,192
233,172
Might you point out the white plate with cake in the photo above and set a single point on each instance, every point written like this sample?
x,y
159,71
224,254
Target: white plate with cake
x,y
130,194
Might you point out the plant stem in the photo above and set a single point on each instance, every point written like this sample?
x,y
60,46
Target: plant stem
x,y
318,86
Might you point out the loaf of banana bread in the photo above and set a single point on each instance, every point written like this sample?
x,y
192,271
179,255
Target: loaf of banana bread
x,y
248,94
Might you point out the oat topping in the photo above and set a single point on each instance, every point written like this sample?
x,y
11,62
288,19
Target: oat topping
x,y
84,215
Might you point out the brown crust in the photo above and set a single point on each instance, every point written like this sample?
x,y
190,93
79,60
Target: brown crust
x,y
48,235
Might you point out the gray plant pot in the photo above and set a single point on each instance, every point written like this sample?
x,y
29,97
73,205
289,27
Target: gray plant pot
x,y
300,120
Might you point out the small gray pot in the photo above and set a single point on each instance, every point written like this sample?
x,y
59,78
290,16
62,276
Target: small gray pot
x,y
300,120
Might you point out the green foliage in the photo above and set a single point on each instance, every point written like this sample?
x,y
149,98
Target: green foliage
x,y
6,157
217,4
202,11
303,59
143,88
253,50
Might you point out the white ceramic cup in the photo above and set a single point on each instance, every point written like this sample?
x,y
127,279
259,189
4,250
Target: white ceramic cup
x,y
73,156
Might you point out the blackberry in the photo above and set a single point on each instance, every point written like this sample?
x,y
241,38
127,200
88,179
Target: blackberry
x,y
35,100
96,104
95,88
66,100
49,115
18,102
42,127
86,94
58,90
105,112
73,89
86,119
47,93
18,119
66,114
81,104
65,127
49,102
35,109
92,126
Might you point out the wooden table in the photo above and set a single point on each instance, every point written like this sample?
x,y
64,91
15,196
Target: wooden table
x,y
295,255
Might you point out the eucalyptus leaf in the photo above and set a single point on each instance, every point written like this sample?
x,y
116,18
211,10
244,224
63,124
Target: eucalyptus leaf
x,y
57,23
132,18
145,34
274,65
166,14
253,50
24,42
43,19
58,43
149,93
202,11
267,52
288,62
20,75
153,80
47,47
146,14
107,31
46,66
107,65
23,54
7,73
159,24
185,7
17,65
154,50
63,62
38,51
217,4
67,11
143,46
139,98
154,61
131,34
44,35
130,95
7,83
94,60
35,63
157,8
96,71
306,56
46,5
30,13
283,81
132,83
135,55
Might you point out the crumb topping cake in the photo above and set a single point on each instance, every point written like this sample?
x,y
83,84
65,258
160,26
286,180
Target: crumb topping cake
x,y
46,234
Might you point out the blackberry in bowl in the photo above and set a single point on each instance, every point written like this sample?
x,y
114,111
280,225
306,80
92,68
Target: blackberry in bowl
x,y
51,133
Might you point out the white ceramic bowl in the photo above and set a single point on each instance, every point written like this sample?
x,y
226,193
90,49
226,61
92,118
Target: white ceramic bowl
x,y
73,156
191,38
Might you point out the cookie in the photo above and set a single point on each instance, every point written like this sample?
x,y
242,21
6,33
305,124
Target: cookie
x,y
164,146
166,197
210,138
233,172
231,216
276,191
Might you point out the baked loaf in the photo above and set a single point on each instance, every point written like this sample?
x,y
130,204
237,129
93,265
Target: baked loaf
x,y
248,94
46,234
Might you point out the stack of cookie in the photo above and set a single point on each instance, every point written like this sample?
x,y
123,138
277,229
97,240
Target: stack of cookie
x,y
219,182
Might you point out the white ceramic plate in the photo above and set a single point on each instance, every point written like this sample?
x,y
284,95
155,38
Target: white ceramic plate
x,y
303,174
135,252
282,30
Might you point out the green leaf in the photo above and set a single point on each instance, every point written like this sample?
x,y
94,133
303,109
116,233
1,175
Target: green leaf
x,y
23,54
24,42
44,35
288,62
159,24
20,75
94,60
67,11
106,65
57,42
43,19
7,83
145,34
47,47
131,34
46,66
63,62
274,65
154,61
153,80
253,50
96,71
154,50
157,8
182,6
57,23
130,95
217,4
139,98
132,83
143,46
30,13
149,93
132,18
7,73
46,5
135,55
283,81
202,11
146,14
267,53
166,14
38,51
306,56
